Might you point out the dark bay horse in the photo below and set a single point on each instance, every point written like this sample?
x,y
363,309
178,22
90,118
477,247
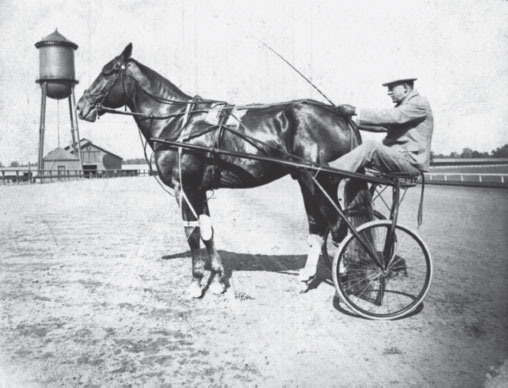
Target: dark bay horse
x,y
296,130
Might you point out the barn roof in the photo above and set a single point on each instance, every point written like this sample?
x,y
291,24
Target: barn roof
x,y
84,142
60,154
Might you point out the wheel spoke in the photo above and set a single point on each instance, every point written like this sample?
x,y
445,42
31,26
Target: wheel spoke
x,y
352,285
378,294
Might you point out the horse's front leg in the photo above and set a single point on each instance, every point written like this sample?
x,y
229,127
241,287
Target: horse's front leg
x,y
217,286
198,228
189,203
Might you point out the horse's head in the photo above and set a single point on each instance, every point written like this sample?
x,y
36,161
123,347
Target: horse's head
x,y
107,90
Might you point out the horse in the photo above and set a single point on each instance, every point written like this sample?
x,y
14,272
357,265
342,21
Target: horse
x,y
305,130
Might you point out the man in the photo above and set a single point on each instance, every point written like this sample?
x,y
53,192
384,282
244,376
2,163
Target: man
x,y
409,126
406,147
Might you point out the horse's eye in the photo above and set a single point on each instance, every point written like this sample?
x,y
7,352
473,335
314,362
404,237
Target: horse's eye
x,y
108,72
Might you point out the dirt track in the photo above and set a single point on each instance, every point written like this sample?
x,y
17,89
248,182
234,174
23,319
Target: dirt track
x,y
93,275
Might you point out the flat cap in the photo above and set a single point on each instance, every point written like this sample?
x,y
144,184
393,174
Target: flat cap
x,y
399,81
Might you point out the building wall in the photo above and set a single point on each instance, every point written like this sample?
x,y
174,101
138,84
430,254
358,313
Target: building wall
x,y
90,155
62,165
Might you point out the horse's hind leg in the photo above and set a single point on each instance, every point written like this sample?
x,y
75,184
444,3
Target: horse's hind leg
x,y
317,227
321,213
217,286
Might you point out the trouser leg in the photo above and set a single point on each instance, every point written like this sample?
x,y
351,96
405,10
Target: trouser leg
x,y
375,155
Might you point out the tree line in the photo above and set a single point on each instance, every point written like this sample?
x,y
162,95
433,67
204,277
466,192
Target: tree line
x,y
468,153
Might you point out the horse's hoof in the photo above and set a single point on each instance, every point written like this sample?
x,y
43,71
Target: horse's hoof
x,y
217,288
305,286
305,280
195,291
306,276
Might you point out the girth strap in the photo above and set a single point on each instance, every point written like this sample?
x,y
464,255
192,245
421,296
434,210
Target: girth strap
x,y
223,119
189,110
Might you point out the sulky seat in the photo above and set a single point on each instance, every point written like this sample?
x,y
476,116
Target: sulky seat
x,y
405,179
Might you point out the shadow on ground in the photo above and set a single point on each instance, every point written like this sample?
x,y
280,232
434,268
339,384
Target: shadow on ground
x,y
285,264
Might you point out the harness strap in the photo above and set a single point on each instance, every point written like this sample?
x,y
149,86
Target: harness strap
x,y
183,195
224,114
186,115
199,134
191,224
189,110
252,140
420,206
145,115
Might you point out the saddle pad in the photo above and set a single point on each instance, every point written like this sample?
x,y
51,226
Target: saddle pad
x,y
213,115
234,118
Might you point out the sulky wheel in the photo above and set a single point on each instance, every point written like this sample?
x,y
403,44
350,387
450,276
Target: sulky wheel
x,y
330,246
386,287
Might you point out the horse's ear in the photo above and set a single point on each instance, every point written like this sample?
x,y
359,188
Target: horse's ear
x,y
127,51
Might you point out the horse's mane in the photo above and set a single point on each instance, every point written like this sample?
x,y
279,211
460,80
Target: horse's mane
x,y
164,84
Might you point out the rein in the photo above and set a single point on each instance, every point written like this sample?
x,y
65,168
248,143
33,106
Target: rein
x,y
189,105
104,109
99,107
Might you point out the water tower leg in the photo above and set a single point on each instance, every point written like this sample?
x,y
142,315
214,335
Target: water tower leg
x,y
74,125
74,147
40,164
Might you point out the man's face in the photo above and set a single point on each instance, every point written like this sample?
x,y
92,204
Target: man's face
x,y
397,92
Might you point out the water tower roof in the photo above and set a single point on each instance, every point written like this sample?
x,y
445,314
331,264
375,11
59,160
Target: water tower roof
x,y
56,39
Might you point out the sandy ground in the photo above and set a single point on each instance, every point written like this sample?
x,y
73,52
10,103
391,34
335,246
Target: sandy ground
x,y
93,275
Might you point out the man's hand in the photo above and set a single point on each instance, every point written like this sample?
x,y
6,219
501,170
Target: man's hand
x,y
346,110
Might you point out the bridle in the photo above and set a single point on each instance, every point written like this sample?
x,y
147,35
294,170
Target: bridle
x,y
98,102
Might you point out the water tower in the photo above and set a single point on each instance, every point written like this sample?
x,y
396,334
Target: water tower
x,y
57,80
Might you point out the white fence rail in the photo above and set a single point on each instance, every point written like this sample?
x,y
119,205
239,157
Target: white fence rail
x,y
19,176
467,179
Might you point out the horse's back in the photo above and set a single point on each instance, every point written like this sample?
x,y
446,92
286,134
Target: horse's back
x,y
307,128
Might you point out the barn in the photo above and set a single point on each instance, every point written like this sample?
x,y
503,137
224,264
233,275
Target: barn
x,y
95,158
62,160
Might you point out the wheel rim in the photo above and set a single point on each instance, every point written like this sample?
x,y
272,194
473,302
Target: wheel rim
x,y
383,294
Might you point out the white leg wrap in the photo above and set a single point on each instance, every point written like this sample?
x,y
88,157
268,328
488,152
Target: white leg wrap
x,y
315,244
341,194
205,225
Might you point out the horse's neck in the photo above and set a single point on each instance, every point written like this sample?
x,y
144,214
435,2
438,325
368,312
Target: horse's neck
x,y
151,95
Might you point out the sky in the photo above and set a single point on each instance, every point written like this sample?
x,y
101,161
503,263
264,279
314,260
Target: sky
x,y
457,49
